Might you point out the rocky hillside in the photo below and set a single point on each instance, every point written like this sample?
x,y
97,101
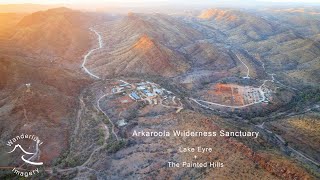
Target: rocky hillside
x,y
59,32
238,23
39,52
143,55
165,29
8,21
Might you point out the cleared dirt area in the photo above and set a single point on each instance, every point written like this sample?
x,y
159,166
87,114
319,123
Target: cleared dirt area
x,y
233,94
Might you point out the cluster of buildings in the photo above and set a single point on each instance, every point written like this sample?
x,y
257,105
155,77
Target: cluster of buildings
x,y
146,92
265,94
141,91
256,95
252,95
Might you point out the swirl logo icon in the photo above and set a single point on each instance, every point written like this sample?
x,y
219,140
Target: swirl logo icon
x,y
35,154
29,158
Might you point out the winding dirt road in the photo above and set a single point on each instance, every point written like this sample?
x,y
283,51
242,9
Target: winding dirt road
x,y
248,70
90,52
98,105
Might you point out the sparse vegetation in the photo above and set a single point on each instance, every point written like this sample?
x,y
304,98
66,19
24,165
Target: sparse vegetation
x,y
101,139
115,146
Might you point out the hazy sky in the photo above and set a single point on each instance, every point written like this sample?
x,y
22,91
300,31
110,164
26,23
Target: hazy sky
x,y
147,1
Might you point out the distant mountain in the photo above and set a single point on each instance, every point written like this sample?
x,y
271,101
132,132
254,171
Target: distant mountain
x,y
305,21
144,44
25,8
8,22
158,44
142,55
165,29
59,32
218,14
237,23
291,53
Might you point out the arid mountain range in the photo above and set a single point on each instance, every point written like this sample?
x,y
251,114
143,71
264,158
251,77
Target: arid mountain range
x,y
84,82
